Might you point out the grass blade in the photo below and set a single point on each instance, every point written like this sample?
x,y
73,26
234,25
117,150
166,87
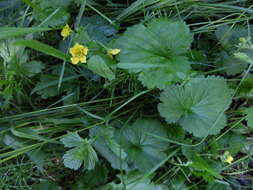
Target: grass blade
x,y
8,32
44,48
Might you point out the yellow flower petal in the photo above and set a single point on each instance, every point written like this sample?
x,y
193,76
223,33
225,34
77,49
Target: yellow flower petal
x,y
82,59
75,49
112,52
74,60
242,39
85,50
65,31
228,157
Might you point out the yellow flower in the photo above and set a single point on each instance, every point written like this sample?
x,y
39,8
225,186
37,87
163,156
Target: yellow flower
x,y
227,157
65,31
78,53
112,52
242,39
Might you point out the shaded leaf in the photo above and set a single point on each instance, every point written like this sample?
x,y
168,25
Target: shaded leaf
x,y
133,181
138,143
98,28
37,156
249,116
99,66
229,35
199,163
231,64
106,145
48,84
56,17
46,185
232,142
33,67
92,178
218,186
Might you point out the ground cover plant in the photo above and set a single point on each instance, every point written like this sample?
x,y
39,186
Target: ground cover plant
x,y
126,95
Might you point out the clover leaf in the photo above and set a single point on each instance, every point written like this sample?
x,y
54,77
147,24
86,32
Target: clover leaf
x,y
156,51
198,106
138,142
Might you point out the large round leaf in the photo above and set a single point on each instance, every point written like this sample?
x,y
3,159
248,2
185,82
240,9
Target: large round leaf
x,y
198,106
156,51
143,150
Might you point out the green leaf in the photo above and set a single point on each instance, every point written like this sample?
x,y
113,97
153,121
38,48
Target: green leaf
x,y
106,145
138,143
219,186
83,153
156,51
48,83
37,156
98,28
134,181
46,87
176,133
52,13
243,57
232,142
229,35
53,17
198,106
72,160
28,133
44,48
199,163
249,116
10,32
46,185
231,64
46,4
33,67
92,178
31,4
99,66
71,140
177,183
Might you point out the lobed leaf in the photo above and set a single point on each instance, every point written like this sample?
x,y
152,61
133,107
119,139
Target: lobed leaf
x,y
82,154
198,106
156,51
138,143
